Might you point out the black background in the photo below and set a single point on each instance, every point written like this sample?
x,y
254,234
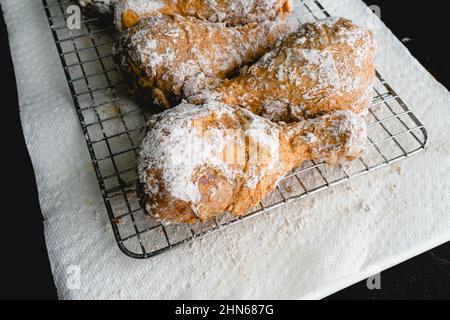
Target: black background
x,y
24,267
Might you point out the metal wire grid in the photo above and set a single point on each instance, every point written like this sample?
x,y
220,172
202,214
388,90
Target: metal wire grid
x,y
112,125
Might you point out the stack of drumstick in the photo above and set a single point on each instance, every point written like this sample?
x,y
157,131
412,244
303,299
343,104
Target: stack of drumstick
x,y
249,98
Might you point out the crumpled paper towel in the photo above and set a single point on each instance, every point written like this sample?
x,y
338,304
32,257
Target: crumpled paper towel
x,y
308,249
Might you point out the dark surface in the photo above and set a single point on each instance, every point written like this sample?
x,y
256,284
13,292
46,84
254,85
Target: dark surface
x,y
24,266
423,28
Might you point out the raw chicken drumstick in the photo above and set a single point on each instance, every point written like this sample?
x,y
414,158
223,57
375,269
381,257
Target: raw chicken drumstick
x,y
197,162
323,66
163,53
231,12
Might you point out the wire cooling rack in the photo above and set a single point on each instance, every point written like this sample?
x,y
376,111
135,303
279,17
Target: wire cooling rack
x,y
112,125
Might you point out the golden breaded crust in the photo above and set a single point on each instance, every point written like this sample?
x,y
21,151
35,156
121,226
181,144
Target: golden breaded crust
x,y
230,12
161,55
197,162
324,66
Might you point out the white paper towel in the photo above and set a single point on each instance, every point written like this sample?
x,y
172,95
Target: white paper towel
x,y
309,249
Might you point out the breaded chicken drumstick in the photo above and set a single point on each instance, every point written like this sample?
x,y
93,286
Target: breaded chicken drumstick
x,y
163,53
324,66
197,162
231,12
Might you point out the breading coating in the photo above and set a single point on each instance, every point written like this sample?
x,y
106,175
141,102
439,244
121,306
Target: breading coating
x,y
197,162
